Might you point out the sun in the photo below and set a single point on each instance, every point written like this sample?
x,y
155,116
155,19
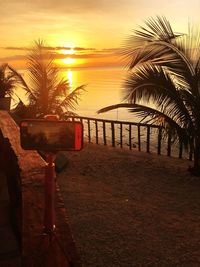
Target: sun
x,y
68,52
68,60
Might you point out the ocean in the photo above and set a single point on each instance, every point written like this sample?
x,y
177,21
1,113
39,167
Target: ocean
x,y
103,88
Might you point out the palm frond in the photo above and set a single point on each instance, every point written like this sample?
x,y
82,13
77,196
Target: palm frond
x,y
71,100
7,81
154,86
20,80
154,116
159,118
159,45
59,90
111,107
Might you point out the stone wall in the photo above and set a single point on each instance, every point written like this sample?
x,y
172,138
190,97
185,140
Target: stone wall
x,y
25,176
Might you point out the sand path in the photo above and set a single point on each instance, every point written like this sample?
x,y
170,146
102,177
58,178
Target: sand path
x,y
128,208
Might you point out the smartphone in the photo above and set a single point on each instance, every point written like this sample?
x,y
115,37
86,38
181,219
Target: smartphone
x,y
46,135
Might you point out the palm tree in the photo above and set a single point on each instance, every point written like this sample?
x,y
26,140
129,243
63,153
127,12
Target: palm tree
x,y
7,81
164,80
46,91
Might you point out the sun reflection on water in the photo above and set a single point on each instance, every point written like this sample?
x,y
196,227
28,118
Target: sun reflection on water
x,y
70,79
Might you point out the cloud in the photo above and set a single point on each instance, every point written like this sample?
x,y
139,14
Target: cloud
x,y
13,58
51,48
17,48
85,56
80,53
68,48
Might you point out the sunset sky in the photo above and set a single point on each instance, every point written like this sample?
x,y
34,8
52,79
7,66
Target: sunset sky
x,y
95,29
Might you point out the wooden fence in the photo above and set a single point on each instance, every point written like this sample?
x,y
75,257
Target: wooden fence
x,y
132,135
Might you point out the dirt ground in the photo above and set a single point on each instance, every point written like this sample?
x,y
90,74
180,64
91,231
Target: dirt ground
x,y
128,208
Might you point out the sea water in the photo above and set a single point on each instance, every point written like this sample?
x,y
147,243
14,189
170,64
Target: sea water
x,y
103,87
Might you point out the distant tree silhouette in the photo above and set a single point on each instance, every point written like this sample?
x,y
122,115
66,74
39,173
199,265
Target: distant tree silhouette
x,y
163,81
46,91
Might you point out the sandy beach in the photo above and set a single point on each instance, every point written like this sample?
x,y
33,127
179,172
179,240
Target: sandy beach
x,y
129,208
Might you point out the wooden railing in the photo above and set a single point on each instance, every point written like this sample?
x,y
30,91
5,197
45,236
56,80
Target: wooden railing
x,y
132,135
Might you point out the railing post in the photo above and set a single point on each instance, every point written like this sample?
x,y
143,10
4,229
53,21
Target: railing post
x,y
96,130
130,135
113,133
139,141
169,143
148,138
121,135
159,140
104,133
89,131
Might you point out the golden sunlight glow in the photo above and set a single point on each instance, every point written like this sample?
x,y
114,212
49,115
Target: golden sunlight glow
x,y
70,77
68,51
68,60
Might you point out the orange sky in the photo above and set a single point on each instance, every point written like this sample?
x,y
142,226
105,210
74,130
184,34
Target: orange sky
x,y
95,29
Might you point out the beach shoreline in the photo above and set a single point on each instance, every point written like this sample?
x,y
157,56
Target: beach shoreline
x,y
130,208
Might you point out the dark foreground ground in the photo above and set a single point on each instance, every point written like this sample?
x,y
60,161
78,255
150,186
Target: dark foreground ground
x,y
130,208
9,247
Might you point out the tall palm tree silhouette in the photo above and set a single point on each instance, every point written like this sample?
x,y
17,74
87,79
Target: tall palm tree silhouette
x,y
163,81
